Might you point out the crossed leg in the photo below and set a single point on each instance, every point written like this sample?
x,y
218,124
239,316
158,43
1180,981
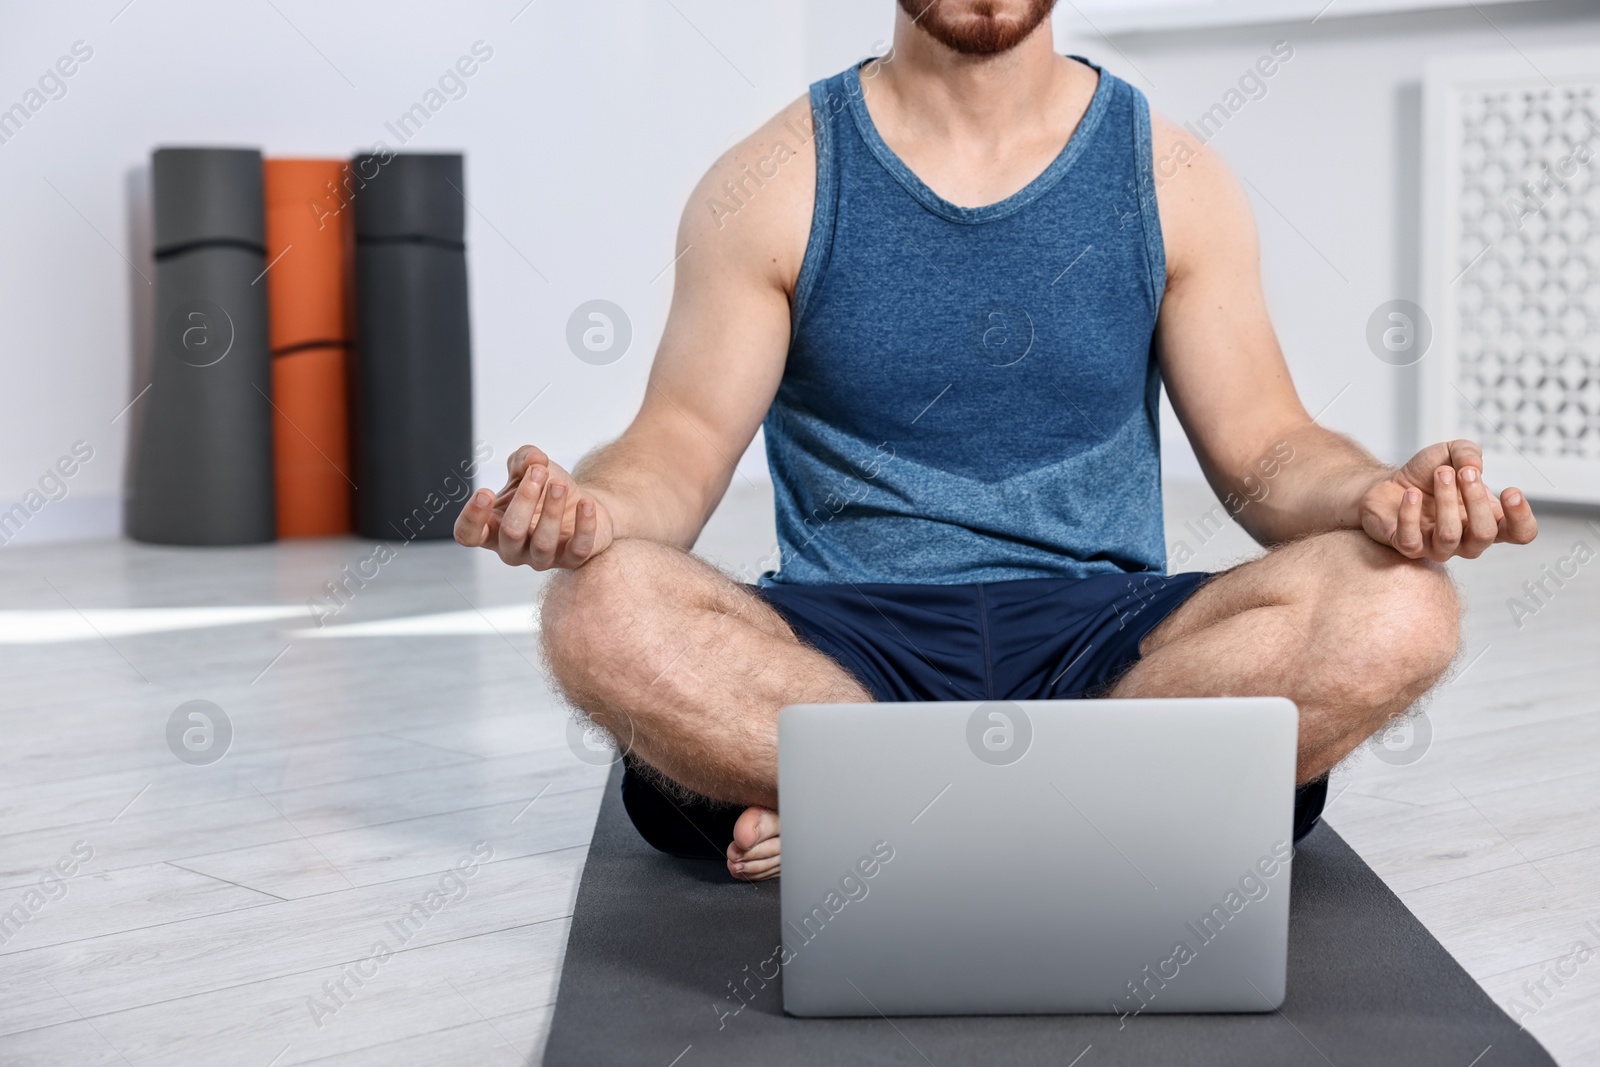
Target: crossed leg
x,y
689,669
1350,630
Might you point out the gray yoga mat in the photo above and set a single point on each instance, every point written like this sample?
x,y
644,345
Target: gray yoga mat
x,y
202,465
656,942
413,366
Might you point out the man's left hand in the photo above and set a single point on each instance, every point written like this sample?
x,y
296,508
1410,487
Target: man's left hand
x,y
1437,506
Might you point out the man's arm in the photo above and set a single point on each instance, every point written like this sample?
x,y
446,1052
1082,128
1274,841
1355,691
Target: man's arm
x,y
715,373
1283,475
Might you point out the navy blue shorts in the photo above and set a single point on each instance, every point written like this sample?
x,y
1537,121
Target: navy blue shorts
x,y
1035,639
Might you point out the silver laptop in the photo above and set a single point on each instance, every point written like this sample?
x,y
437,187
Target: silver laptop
x,y
953,858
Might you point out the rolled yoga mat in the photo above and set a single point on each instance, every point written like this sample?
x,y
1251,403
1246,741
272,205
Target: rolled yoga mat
x,y
202,467
307,298
666,956
414,354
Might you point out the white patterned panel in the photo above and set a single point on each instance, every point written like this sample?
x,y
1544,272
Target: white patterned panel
x,y
1527,311
1515,275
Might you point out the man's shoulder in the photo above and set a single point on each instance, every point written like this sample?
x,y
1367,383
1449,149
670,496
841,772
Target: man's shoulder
x,y
1200,200
757,197
777,162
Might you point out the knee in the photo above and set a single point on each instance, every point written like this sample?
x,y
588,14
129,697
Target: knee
x,y
1422,618
1405,616
586,614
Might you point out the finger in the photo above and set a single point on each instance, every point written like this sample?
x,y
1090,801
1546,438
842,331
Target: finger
x,y
519,461
503,499
1496,509
552,470
1519,526
1466,454
581,545
545,540
472,525
1408,530
521,513
517,465
1446,514
1422,465
1482,528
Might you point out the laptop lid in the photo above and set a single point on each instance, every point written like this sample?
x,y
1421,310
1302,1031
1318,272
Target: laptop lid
x,y
1100,856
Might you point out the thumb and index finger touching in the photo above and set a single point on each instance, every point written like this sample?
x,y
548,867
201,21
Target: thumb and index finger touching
x,y
478,525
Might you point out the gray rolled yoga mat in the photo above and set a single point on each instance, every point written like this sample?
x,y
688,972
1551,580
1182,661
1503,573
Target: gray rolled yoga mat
x,y
413,366
658,945
202,465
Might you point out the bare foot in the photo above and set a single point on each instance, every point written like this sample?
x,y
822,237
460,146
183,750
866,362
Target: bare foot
x,y
753,856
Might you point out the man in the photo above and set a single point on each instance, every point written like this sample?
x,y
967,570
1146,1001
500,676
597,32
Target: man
x,y
953,307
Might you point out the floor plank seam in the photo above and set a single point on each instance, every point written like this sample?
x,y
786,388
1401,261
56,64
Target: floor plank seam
x,y
139,929
354,888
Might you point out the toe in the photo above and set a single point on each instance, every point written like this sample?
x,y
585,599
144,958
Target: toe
x,y
755,825
762,850
756,870
753,854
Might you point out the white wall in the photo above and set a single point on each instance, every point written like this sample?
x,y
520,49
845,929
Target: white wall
x,y
585,133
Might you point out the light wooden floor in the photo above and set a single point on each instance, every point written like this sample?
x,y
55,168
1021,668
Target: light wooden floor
x,y
219,905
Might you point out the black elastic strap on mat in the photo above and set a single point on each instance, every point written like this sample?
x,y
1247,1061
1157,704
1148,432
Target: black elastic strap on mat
x,y
211,242
413,363
201,471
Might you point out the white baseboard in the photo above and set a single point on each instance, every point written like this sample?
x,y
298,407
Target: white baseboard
x,y
75,517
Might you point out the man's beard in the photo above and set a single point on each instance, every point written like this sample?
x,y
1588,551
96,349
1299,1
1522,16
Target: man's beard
x,y
986,35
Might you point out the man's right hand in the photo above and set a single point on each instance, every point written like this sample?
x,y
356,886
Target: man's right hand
x,y
542,518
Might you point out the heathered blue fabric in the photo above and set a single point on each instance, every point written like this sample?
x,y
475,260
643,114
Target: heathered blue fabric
x,y
970,393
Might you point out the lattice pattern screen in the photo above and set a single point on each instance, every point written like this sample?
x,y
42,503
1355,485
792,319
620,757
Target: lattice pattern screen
x,y
1527,302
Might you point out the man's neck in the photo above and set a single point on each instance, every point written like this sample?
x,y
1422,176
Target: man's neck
x,y
937,93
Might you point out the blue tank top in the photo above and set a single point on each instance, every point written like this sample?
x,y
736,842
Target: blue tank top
x,y
970,393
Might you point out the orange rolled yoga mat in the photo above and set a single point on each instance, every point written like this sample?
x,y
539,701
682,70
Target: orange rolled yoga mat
x,y
308,326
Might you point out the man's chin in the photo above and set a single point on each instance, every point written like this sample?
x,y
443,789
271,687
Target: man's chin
x,y
986,29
